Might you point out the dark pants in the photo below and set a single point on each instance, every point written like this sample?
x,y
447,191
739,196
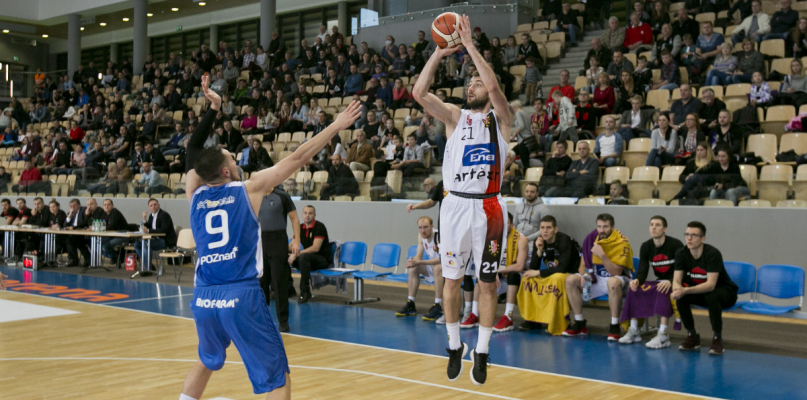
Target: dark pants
x,y
715,301
409,169
337,190
78,244
306,263
276,271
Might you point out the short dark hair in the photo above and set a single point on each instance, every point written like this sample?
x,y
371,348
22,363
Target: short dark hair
x,y
23,200
412,135
660,218
39,198
5,201
698,225
531,184
75,201
311,207
606,217
110,201
208,163
550,219
153,199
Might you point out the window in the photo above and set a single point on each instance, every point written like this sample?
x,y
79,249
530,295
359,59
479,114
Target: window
x,y
289,28
311,23
158,49
229,34
125,51
174,45
192,42
248,31
98,55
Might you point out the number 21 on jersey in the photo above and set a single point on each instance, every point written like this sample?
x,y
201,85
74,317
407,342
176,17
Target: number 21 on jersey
x,y
221,228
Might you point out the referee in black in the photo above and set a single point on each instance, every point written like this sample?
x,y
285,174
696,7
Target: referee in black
x,y
276,247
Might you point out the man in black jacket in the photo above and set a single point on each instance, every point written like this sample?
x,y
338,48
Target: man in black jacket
x,y
156,159
173,101
709,109
80,218
340,180
40,217
115,221
156,221
567,22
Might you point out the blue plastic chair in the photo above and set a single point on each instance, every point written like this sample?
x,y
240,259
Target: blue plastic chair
x,y
385,255
745,276
404,277
781,282
353,253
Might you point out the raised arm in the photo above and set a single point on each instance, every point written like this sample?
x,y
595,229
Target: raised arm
x,y
497,98
263,181
446,112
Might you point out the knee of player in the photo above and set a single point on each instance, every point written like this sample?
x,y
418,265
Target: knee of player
x,y
452,284
573,281
486,287
614,284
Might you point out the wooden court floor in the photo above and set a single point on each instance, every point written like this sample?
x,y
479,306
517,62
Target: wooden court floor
x,y
106,352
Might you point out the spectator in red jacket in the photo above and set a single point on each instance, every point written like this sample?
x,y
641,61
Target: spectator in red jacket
x,y
638,35
565,89
76,133
31,180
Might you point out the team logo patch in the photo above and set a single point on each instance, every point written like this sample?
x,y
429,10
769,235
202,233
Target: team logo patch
x,y
445,193
487,121
468,119
451,262
698,275
449,254
479,154
494,247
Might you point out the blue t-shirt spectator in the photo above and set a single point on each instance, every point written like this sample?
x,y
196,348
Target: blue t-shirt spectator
x,y
710,44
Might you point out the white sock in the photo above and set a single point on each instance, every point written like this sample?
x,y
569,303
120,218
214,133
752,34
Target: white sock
x,y
467,309
475,308
411,298
578,317
438,301
484,339
453,330
508,310
614,321
662,328
185,397
634,323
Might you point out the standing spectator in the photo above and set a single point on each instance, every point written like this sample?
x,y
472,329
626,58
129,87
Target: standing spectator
x,y
275,208
581,177
529,213
608,147
701,279
663,142
156,220
114,221
341,180
608,259
532,80
657,253
316,253
755,26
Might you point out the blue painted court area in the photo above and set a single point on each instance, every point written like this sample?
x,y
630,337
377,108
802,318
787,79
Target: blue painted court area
x,y
735,375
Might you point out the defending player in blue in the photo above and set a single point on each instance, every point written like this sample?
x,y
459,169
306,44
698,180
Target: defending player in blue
x,y
228,303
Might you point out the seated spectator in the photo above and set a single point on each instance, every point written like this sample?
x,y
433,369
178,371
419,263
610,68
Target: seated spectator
x,y
709,110
658,253
580,178
749,61
427,263
257,158
614,37
795,45
794,87
400,96
341,180
354,82
712,289
694,173
627,89
636,120
155,158
638,34
80,218
172,147
413,157
78,161
689,136
528,48
617,194
728,179
663,143
755,26
531,148
359,154
760,95
744,7
555,169
684,106
608,147
608,259
316,253
618,65
567,22
604,97
670,75
23,215
108,183
414,63
726,134
724,67
114,221
592,74
150,182
660,17
220,84
5,179
586,116
782,21
155,220
707,47
9,213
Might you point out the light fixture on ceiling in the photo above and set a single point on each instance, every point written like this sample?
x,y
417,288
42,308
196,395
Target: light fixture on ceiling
x,y
45,36
82,28
102,24
5,31
149,15
174,9
126,20
202,4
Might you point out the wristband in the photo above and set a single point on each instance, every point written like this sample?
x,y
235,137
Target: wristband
x,y
578,274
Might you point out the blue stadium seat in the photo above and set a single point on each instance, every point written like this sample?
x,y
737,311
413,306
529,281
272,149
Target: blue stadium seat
x,y
353,253
744,275
404,277
385,255
781,282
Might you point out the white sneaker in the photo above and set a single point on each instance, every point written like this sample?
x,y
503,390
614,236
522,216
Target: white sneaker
x,y
441,320
661,341
631,337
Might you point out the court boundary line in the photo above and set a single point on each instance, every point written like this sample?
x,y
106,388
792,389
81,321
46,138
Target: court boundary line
x,y
148,298
407,351
437,385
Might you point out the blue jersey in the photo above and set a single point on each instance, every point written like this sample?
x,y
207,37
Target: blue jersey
x,y
227,234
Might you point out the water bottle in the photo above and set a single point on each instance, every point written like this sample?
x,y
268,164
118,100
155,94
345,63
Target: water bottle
x,y
94,225
587,285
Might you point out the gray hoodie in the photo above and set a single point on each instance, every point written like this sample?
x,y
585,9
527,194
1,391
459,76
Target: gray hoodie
x,y
528,218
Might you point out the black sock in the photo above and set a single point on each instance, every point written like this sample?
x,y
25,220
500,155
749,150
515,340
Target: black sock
x,y
718,335
692,332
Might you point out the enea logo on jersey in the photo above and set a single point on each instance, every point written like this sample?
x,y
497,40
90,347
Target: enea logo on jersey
x,y
207,204
479,154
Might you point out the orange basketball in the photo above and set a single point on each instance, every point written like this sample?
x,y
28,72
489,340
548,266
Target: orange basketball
x,y
444,30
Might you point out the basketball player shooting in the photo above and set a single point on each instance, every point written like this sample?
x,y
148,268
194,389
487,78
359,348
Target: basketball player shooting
x,y
228,303
473,216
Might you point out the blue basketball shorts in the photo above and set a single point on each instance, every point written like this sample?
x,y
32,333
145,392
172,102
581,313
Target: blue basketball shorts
x,y
239,313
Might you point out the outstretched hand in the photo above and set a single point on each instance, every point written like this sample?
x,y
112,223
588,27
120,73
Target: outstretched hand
x,y
210,95
349,116
464,28
442,53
